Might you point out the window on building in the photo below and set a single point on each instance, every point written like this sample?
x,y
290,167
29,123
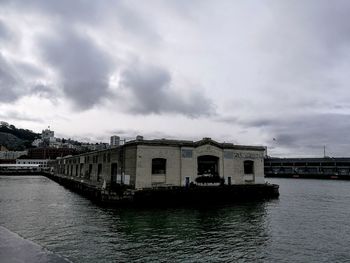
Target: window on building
x,y
186,153
99,172
248,167
90,171
81,169
158,166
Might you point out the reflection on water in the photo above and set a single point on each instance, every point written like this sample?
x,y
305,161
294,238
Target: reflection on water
x,y
309,223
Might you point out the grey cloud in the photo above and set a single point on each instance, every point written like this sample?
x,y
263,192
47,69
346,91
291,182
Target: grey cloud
x,y
18,116
29,70
308,134
82,66
246,123
310,39
226,119
10,88
120,13
5,33
44,91
151,92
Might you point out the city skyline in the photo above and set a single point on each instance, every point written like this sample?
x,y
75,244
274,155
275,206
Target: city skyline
x,y
247,72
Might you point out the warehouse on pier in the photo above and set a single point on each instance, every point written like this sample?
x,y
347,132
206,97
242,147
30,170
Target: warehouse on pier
x,y
165,163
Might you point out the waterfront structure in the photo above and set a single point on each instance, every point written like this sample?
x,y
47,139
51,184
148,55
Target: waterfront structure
x,y
164,163
327,167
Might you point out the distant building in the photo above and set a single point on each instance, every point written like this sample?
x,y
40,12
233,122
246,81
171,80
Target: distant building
x,y
47,134
115,141
307,167
49,153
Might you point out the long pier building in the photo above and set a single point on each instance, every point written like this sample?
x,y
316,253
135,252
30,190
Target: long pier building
x,y
154,163
327,167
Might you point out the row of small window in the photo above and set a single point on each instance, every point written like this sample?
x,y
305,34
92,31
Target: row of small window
x,y
69,170
159,166
44,164
95,159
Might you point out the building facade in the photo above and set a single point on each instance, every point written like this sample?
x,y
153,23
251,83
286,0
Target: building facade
x,y
157,163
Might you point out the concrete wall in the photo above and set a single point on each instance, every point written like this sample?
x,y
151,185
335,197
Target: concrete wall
x,y
180,164
144,176
130,163
257,157
78,166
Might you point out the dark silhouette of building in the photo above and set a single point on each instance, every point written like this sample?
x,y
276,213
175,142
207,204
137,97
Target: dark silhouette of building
x,y
49,153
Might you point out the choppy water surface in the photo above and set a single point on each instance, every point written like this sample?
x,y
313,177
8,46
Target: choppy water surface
x,y
310,222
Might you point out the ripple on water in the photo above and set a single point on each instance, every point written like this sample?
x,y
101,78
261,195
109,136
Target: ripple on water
x,y
308,223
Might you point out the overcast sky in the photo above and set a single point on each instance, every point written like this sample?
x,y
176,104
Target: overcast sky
x,y
272,73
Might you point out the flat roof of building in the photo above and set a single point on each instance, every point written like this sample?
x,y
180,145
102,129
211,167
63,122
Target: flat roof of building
x,y
186,143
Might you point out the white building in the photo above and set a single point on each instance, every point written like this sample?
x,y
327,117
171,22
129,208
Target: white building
x,y
115,141
40,162
47,134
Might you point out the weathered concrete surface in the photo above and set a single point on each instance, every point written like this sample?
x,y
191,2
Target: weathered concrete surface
x,y
15,249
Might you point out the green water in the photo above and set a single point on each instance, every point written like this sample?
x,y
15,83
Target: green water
x,y
308,223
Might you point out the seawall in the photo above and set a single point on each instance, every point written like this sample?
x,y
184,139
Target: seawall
x,y
170,196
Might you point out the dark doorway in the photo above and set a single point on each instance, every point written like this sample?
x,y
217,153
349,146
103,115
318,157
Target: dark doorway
x,y
99,171
248,167
114,172
187,181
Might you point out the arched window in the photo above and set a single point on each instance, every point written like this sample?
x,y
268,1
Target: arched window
x,y
248,167
158,166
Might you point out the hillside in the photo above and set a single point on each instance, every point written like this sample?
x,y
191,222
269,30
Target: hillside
x,y
14,138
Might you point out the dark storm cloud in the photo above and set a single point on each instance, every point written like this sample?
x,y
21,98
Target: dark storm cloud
x,y
151,92
83,67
